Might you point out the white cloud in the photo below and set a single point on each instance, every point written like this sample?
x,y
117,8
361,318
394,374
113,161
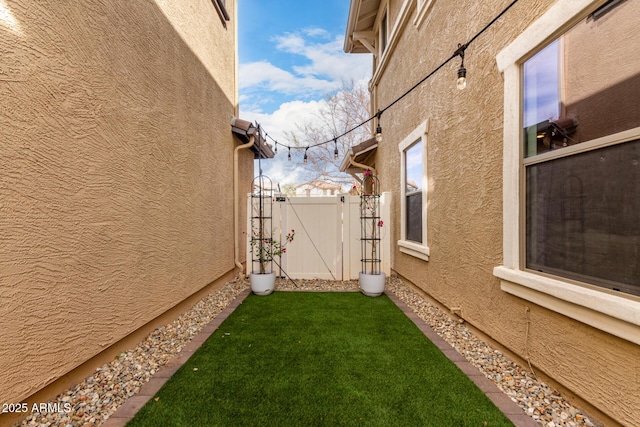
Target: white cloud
x,y
285,118
292,43
330,61
317,32
321,69
324,67
282,172
267,77
276,125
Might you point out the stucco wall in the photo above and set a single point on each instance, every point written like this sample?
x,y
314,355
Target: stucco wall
x,y
116,178
464,209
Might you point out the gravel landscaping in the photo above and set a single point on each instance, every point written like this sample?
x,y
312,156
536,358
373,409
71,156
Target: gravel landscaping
x,y
98,396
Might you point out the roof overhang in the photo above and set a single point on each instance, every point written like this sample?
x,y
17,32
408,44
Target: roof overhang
x,y
360,37
244,130
360,157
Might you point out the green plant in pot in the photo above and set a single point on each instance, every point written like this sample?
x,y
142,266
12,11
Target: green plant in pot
x,y
263,245
371,278
264,249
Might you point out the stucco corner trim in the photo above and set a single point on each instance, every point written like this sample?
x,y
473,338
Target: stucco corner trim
x,y
414,249
613,314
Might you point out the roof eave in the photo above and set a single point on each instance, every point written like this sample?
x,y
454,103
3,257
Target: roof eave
x,y
358,154
244,130
359,36
352,20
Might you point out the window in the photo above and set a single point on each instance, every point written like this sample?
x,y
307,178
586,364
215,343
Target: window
x,y
413,192
583,208
413,239
572,154
384,32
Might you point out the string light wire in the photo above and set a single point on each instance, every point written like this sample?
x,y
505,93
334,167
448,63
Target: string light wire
x,y
458,52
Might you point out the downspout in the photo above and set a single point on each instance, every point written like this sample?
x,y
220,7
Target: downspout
x,y
236,205
363,166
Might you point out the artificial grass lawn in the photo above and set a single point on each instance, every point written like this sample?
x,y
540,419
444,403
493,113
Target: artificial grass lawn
x,y
319,359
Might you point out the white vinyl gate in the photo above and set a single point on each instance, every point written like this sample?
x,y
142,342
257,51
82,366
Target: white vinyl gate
x,y
327,236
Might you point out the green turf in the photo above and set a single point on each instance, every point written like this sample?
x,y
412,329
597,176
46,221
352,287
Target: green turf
x,y
319,359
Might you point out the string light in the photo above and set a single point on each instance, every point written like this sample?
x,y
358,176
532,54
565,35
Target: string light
x,y
276,148
461,83
379,128
335,152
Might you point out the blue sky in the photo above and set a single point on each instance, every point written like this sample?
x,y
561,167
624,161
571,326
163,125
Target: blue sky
x,y
541,86
291,59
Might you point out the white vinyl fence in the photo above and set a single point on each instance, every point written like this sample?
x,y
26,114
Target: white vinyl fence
x,y
327,236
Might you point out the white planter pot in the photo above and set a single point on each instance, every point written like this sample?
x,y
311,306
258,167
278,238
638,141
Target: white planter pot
x,y
372,285
263,284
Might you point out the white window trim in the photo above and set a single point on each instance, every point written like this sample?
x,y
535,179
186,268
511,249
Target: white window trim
x,y
617,315
424,7
405,246
383,22
393,35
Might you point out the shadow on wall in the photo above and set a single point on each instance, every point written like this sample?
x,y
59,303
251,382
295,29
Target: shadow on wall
x,y
115,179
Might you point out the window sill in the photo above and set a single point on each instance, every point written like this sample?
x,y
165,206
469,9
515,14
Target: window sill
x,y
414,249
610,313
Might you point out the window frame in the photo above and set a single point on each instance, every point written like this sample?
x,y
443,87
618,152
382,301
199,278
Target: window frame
x,y
608,311
383,31
221,8
417,136
423,8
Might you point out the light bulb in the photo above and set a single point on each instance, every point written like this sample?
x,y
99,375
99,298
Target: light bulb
x,y
289,155
461,83
305,155
379,134
335,152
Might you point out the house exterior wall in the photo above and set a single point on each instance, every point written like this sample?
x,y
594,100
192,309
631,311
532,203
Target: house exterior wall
x,y
115,189
465,197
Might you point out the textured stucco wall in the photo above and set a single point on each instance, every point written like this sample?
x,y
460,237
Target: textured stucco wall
x,y
464,225
116,178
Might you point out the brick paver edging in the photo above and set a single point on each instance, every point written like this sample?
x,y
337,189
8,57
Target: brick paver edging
x,y
508,407
128,409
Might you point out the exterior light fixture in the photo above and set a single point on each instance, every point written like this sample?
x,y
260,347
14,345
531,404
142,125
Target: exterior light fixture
x,y
305,155
276,148
335,152
289,155
461,83
379,128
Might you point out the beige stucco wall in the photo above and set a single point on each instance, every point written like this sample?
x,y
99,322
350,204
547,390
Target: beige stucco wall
x,y
464,210
116,180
